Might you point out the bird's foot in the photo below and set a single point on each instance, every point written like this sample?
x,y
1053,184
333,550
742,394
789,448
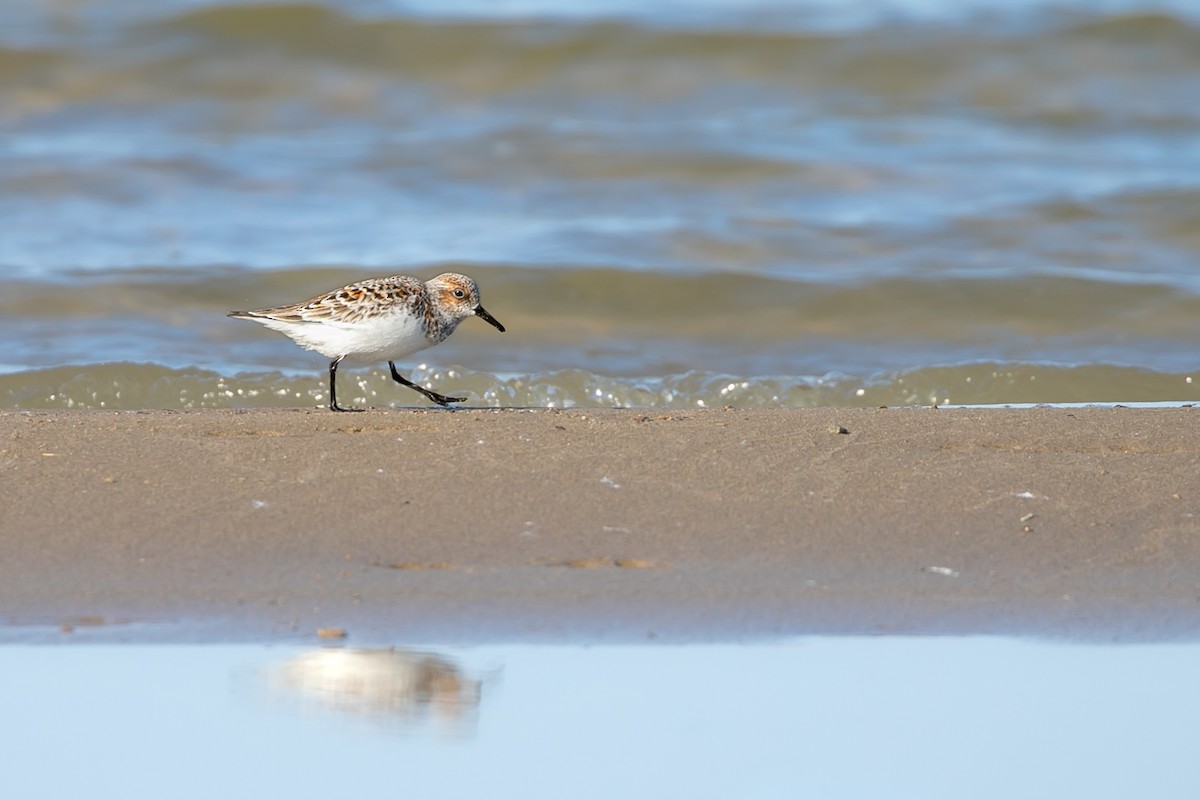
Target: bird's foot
x,y
336,407
442,400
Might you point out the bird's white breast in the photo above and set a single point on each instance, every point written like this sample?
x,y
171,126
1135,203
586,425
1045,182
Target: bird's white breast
x,y
386,337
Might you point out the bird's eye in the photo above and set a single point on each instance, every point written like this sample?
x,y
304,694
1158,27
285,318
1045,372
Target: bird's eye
x,y
460,294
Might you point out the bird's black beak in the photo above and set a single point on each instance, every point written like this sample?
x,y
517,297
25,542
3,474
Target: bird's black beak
x,y
480,312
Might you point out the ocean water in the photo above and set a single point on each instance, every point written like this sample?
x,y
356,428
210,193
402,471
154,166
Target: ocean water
x,y
718,202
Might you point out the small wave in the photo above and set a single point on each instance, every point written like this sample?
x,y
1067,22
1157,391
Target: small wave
x,y
123,386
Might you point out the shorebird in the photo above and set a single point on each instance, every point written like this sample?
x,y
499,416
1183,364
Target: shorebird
x,y
382,319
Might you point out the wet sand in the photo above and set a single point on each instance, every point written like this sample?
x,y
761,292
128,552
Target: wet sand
x,y
538,525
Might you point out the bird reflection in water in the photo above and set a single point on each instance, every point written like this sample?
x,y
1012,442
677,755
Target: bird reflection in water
x,y
392,686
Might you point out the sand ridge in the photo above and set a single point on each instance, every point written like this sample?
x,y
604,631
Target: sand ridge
x,y
686,524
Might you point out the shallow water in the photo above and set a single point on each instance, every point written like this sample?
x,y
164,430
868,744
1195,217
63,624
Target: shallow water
x,y
847,717
716,202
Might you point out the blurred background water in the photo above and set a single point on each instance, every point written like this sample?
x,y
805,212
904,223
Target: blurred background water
x,y
702,202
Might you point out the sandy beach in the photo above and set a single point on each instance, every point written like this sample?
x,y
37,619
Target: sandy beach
x,y
622,525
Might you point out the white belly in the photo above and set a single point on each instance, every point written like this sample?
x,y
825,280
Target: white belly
x,y
384,338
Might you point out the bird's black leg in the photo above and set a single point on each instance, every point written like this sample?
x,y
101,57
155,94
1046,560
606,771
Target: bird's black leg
x,y
333,403
440,399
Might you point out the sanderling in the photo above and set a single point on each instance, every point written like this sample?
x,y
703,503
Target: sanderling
x,y
382,319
